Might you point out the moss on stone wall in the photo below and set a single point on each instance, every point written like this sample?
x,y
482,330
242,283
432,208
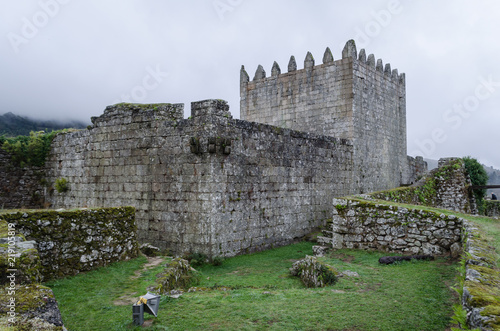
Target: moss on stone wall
x,y
27,265
18,257
376,225
72,241
178,274
36,309
480,282
314,273
448,182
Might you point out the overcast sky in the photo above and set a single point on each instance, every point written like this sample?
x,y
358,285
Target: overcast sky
x,y
69,59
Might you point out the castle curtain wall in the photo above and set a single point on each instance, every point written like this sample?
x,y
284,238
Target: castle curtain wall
x,y
208,184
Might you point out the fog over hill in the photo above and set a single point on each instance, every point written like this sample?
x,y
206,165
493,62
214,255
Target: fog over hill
x,y
12,125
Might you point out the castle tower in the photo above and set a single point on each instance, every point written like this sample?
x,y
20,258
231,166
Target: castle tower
x,y
354,98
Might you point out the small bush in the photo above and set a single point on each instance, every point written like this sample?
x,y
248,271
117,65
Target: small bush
x,y
62,185
217,261
196,259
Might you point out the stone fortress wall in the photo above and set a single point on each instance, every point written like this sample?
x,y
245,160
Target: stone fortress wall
x,y
20,188
209,183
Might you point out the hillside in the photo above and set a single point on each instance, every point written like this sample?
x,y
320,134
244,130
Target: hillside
x,y
12,125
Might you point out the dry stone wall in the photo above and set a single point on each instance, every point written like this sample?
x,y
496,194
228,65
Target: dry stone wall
x,y
19,258
368,225
208,184
69,242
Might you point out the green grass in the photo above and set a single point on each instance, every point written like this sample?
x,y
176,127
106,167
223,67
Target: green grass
x,y
490,227
256,292
86,300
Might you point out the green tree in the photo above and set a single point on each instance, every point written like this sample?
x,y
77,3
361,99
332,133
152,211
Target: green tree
x,y
478,176
29,150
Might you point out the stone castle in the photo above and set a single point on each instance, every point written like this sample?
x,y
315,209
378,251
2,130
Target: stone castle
x,y
223,186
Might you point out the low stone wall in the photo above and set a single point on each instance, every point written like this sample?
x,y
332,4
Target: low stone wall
x,y
69,242
368,225
492,208
481,286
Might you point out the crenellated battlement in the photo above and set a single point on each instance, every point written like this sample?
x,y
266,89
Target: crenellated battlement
x,y
349,52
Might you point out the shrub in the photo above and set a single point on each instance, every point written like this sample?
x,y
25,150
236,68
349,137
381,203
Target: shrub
x,y
196,259
217,261
478,176
62,185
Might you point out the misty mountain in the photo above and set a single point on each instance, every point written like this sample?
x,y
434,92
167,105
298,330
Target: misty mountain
x,y
12,125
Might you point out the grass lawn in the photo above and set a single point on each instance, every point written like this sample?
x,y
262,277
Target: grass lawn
x,y
256,292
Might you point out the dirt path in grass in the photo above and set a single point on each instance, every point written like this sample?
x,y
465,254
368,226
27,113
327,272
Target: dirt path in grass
x,y
129,299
